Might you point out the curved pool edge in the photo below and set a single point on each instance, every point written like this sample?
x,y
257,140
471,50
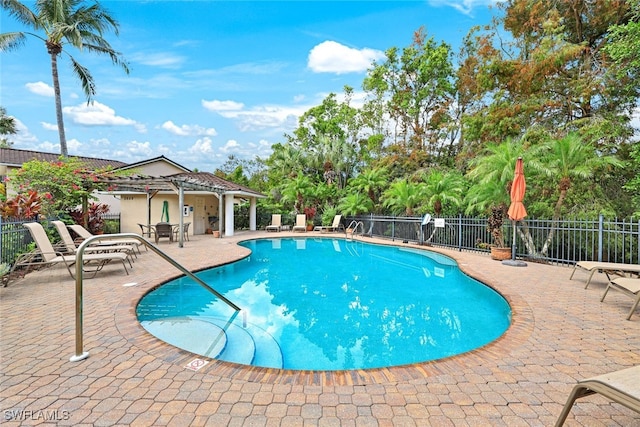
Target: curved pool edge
x,y
516,334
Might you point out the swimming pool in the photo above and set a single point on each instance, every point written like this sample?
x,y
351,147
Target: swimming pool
x,y
328,304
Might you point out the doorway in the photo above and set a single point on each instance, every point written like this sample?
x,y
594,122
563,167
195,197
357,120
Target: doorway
x,y
199,216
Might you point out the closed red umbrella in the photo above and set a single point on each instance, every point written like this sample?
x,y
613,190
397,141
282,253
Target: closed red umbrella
x,y
517,211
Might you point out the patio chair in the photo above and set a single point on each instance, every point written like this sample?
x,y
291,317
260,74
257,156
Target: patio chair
x,y
276,223
335,226
607,268
185,231
164,229
621,386
628,286
47,255
69,245
83,233
145,230
301,223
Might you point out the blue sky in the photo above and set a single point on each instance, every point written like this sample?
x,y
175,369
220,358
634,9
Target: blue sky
x,y
213,78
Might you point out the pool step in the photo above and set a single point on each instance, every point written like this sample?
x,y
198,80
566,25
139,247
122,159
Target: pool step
x,y
196,336
265,350
217,338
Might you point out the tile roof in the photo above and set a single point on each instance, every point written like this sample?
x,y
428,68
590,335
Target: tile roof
x,y
15,157
205,181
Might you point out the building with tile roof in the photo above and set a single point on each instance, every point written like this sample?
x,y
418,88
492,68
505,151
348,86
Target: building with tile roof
x,y
158,190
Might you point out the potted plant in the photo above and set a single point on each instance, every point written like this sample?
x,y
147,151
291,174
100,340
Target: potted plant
x,y
499,251
310,213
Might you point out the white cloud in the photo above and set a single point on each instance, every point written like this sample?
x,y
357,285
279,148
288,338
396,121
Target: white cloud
x,y
187,130
257,118
73,145
202,146
231,146
216,105
40,88
49,147
270,116
23,137
140,148
162,60
97,114
333,57
49,126
464,6
248,150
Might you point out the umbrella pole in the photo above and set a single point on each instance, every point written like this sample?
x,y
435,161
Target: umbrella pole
x,y
513,245
513,262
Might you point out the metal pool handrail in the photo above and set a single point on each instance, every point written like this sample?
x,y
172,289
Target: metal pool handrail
x,y
80,354
353,226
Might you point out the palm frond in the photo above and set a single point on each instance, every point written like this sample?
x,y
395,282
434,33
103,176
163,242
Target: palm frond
x,y
11,41
86,79
21,13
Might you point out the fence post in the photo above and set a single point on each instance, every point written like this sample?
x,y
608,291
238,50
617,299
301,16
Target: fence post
x,y
600,236
393,229
459,232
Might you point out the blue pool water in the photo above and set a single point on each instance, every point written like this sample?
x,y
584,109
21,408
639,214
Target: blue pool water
x,y
328,304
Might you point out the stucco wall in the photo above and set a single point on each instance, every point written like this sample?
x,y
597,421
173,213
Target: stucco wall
x,y
134,210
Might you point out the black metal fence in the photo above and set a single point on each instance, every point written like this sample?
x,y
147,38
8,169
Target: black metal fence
x,y
15,239
565,241
572,240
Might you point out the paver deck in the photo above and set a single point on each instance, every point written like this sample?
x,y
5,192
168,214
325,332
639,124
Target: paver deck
x,y
561,333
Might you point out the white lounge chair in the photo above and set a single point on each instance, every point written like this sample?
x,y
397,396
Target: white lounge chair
x,y
607,268
276,223
335,226
71,248
301,223
83,233
628,286
621,386
47,255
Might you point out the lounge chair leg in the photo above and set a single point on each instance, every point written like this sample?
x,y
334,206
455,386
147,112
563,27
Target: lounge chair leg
x,y
577,392
605,292
589,279
573,272
635,305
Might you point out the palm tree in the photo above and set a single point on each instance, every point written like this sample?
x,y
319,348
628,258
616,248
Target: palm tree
x,y
296,190
371,181
336,157
564,161
354,204
496,164
80,25
7,127
403,196
492,174
443,188
286,159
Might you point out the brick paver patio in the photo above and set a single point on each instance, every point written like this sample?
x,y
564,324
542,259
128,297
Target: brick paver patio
x,y
561,333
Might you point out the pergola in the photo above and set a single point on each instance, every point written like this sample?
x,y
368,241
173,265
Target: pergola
x,y
189,181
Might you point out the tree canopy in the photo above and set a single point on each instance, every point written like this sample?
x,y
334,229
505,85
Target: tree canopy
x,y
65,21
